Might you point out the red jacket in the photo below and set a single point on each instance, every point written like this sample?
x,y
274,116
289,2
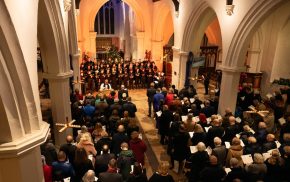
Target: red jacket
x,y
47,171
139,148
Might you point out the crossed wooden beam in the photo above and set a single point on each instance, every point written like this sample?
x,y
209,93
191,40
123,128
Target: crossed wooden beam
x,y
254,110
67,125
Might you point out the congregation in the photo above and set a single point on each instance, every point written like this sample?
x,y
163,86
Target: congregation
x,y
250,144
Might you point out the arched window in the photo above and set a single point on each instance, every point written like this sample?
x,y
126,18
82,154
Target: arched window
x,y
105,20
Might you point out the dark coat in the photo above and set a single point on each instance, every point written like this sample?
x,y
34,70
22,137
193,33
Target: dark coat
x,y
121,92
198,162
165,119
212,173
221,153
69,150
131,108
158,178
215,131
150,94
140,178
101,162
236,173
180,146
124,162
117,140
110,177
81,169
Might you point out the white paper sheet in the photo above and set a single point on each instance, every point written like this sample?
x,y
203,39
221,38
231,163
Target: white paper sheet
x,y
191,100
201,105
238,120
191,134
282,121
193,149
207,128
159,113
227,170
228,145
183,118
247,159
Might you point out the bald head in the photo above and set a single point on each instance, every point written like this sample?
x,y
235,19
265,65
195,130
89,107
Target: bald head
x,y
69,139
121,128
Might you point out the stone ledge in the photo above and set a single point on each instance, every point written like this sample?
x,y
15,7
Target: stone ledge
x,y
58,76
26,143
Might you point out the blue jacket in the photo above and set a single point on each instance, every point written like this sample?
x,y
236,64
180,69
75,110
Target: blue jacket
x,y
156,101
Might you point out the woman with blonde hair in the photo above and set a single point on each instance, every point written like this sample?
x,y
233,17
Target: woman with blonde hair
x,y
87,144
98,132
162,173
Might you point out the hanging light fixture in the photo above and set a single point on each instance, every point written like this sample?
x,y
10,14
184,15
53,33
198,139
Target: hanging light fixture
x,y
230,7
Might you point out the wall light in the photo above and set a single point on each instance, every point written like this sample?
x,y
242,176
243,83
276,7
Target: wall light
x,y
230,7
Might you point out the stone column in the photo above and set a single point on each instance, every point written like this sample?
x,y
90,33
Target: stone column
x,y
140,45
76,73
60,103
92,43
179,67
157,53
229,88
20,159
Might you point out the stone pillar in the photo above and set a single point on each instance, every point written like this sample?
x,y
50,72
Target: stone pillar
x,y
157,53
140,45
20,159
60,103
76,73
92,43
179,67
229,88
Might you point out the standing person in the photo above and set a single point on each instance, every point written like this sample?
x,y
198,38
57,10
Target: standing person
x,y
150,94
61,169
105,86
206,82
123,92
138,147
118,139
137,175
81,164
157,100
111,175
165,119
69,148
180,147
162,174
125,160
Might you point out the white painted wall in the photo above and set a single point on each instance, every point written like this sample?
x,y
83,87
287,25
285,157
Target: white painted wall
x,y
281,66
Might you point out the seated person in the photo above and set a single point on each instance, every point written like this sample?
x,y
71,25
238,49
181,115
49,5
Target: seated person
x,y
105,86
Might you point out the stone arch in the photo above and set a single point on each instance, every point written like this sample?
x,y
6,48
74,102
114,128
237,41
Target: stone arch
x,y
202,15
52,39
246,29
96,5
165,10
17,100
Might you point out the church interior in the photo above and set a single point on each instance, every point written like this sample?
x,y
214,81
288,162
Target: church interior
x,y
171,90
